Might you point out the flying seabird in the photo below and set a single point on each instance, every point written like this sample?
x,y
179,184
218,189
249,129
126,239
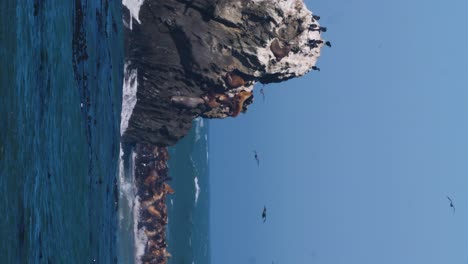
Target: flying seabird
x,y
256,158
264,214
262,92
328,43
451,204
315,68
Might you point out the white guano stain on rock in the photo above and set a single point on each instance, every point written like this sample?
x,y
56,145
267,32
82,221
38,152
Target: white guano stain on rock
x,y
134,8
294,64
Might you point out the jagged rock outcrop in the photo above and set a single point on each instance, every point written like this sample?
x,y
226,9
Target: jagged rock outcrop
x,y
192,58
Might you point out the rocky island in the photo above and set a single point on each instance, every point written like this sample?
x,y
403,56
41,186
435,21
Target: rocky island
x,y
199,58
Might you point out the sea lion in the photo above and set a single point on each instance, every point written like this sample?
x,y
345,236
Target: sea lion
x,y
166,254
167,189
153,211
278,50
152,178
211,100
153,199
233,80
150,233
238,102
186,101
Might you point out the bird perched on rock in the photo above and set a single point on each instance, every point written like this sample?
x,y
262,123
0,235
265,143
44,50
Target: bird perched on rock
x,y
312,27
315,68
312,43
315,17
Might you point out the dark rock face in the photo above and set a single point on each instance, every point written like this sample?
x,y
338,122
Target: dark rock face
x,y
202,58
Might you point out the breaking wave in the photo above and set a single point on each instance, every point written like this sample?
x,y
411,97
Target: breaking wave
x,y
129,99
197,189
140,237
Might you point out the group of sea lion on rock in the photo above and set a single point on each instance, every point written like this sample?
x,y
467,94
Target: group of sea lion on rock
x,y
151,174
220,104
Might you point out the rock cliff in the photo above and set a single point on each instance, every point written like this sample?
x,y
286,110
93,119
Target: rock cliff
x,y
189,58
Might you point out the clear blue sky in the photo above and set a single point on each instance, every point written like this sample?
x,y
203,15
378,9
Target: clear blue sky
x,y
356,160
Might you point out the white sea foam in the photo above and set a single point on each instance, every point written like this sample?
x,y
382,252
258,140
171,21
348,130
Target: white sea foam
x,y
130,86
129,199
127,211
140,237
199,124
202,124
126,184
134,8
197,189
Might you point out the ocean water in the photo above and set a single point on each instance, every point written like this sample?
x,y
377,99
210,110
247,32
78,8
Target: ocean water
x,y
60,98
188,209
65,188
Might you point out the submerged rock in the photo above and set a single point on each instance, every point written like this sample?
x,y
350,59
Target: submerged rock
x,y
193,58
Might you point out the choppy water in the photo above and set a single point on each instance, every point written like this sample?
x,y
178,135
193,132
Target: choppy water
x,y
61,81
59,130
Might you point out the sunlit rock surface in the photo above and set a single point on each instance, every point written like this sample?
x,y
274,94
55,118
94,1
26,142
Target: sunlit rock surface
x,y
190,58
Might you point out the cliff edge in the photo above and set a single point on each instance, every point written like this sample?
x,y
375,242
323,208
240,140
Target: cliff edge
x,y
190,58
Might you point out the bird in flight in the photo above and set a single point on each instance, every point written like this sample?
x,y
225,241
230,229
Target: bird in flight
x,y
262,92
451,204
256,158
264,214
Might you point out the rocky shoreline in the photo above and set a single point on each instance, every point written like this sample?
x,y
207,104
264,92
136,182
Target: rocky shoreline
x,y
200,58
151,176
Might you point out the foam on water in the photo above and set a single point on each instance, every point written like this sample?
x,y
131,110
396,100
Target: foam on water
x,y
129,99
140,237
127,187
199,124
129,210
197,189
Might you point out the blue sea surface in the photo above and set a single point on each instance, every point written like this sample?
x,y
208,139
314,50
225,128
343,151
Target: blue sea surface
x,y
188,209
61,80
60,99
